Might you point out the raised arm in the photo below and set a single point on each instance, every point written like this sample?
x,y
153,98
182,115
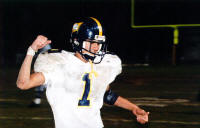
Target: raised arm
x,y
25,79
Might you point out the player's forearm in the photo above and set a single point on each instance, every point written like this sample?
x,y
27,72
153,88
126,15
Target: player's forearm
x,y
23,80
24,73
124,103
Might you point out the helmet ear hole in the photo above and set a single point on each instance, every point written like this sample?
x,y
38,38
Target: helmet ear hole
x,y
76,42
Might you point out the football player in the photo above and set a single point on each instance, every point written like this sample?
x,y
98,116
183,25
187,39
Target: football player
x,y
77,82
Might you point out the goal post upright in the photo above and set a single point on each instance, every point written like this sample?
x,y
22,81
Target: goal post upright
x,y
174,26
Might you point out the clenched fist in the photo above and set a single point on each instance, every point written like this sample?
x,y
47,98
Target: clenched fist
x,y
40,42
142,116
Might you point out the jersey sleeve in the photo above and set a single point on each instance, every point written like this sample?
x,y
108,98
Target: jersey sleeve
x,y
116,66
46,64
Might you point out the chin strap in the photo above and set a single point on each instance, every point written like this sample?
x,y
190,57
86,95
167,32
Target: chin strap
x,y
92,71
88,57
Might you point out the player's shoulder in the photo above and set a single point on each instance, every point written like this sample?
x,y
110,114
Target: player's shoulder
x,y
112,63
50,53
52,59
112,58
56,53
57,56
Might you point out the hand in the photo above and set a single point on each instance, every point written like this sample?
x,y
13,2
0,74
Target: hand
x,y
142,116
40,42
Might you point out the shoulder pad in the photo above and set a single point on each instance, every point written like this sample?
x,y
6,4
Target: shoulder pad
x,y
112,53
54,50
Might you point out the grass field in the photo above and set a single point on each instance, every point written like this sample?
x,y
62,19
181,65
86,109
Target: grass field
x,y
170,94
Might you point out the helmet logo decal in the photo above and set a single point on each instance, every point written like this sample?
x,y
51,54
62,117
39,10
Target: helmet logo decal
x,y
76,27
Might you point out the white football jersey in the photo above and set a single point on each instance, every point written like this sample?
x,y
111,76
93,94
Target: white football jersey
x,y
75,89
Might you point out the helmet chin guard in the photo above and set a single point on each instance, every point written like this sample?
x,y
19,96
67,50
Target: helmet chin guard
x,y
88,57
89,30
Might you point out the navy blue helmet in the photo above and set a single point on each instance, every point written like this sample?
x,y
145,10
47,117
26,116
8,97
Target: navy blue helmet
x,y
92,31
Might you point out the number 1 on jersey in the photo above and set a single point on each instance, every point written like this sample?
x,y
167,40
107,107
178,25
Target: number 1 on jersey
x,y
84,100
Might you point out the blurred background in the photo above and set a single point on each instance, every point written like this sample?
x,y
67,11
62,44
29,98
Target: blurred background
x,y
22,20
161,76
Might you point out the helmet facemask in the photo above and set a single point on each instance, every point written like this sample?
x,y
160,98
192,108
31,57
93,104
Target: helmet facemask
x,y
88,53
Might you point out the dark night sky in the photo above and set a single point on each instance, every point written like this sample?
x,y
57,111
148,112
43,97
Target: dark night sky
x,y
22,21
